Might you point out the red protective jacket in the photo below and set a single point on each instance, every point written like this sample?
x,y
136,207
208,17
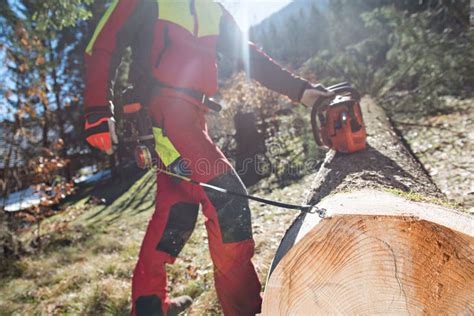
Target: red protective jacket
x,y
174,43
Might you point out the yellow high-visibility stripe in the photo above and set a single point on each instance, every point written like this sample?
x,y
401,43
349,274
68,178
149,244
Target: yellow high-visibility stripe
x,y
208,12
176,12
209,16
100,26
163,146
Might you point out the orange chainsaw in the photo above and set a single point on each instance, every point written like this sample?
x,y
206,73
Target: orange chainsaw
x,y
337,121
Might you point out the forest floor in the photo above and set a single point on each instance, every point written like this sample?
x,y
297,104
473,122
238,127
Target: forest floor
x,y
442,139
88,253
89,250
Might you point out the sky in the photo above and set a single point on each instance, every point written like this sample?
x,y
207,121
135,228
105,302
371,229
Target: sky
x,y
250,12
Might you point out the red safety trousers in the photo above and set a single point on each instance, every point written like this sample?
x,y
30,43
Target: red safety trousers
x,y
227,218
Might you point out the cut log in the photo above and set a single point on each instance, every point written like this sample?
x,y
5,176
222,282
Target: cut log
x,y
376,251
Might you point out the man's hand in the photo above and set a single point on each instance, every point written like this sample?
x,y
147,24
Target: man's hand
x,y
100,132
313,93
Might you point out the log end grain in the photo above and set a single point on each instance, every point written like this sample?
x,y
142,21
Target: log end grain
x,y
363,264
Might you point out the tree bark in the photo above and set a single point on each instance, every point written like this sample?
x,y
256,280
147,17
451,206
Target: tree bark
x,y
59,111
377,250
45,126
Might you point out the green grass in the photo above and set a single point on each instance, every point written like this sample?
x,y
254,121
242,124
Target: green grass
x,y
89,252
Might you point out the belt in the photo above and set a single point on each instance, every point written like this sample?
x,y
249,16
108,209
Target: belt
x,y
200,97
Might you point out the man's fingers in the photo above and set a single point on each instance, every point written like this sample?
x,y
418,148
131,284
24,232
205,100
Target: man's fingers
x,y
93,141
106,145
326,93
101,142
320,92
100,136
310,96
113,134
317,94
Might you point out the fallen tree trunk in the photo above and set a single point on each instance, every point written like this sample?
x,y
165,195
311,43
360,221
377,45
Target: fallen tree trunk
x,y
377,250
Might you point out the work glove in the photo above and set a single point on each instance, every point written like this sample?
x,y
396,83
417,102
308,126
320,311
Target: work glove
x,y
100,131
313,92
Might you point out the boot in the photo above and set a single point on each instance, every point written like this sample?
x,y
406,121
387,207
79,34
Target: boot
x,y
178,305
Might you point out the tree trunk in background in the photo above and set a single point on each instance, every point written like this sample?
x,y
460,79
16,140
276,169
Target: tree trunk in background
x,y
377,251
59,113
7,242
45,126
4,234
250,146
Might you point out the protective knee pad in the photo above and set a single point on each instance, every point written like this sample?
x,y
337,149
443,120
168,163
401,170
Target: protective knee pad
x,y
148,306
233,212
179,227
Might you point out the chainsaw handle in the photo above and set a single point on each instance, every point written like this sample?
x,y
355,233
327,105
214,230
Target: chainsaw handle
x,y
314,125
338,89
345,89
338,85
